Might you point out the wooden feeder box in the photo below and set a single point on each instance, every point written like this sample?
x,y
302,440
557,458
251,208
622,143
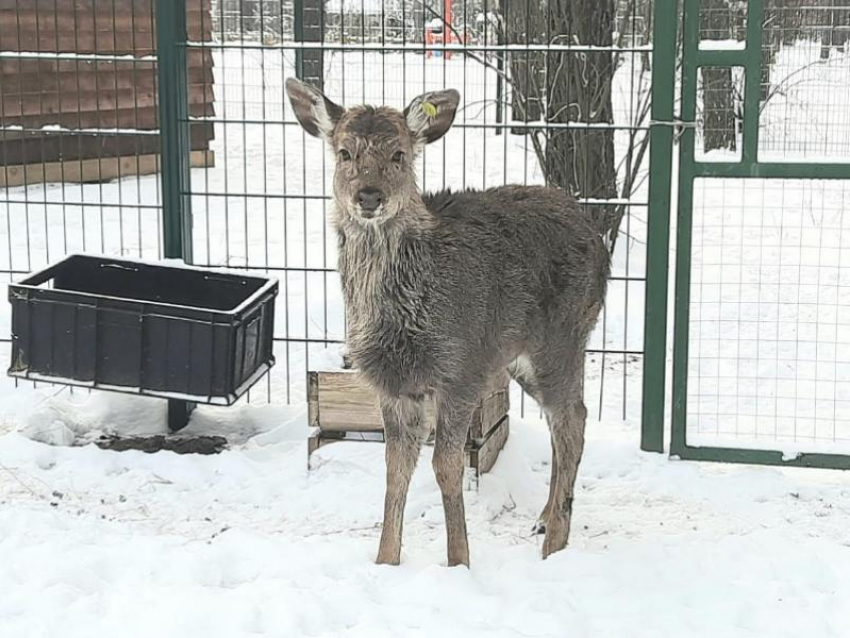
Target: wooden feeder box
x,y
344,408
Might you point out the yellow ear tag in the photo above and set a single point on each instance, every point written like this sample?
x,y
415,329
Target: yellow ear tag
x,y
430,109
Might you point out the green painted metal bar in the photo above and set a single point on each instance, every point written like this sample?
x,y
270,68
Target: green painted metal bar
x,y
684,223
722,57
308,27
175,150
175,145
752,80
298,35
773,170
658,226
762,457
690,43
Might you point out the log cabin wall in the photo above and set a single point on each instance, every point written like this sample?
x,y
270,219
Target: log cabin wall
x,y
78,89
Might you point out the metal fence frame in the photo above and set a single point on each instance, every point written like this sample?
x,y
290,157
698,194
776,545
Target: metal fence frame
x,y
694,58
665,131
172,212
308,46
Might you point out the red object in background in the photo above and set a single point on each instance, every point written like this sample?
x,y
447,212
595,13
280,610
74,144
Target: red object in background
x,y
441,34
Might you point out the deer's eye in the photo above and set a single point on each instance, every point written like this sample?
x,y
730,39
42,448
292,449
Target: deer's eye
x,y
398,157
344,155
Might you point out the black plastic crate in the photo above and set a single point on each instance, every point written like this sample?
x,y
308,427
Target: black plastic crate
x,y
181,333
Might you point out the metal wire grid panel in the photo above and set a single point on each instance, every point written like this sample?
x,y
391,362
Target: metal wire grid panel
x,y
762,347
264,205
770,314
78,133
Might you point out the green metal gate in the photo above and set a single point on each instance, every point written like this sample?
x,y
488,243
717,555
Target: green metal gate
x,y
761,343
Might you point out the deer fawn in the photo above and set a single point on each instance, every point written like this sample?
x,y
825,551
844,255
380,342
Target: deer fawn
x,y
444,292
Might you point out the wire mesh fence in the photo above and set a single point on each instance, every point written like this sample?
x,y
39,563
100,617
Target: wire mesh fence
x,y
768,314
551,93
264,205
802,83
555,93
77,111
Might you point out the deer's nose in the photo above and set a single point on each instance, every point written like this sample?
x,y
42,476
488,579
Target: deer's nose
x,y
369,199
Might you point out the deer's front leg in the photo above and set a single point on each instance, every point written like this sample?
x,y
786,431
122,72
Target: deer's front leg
x,y
403,428
453,422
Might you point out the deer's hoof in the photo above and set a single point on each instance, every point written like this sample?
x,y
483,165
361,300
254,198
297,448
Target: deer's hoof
x,y
457,562
387,558
390,561
556,536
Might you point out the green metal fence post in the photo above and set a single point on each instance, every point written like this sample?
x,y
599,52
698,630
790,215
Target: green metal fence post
x,y
658,226
174,137
308,26
175,148
684,222
752,80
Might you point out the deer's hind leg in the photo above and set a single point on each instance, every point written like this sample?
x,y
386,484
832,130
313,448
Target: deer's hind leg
x,y
558,374
522,371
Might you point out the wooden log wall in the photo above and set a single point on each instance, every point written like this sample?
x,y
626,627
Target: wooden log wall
x,y
81,93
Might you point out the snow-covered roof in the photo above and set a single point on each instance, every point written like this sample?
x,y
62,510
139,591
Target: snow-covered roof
x,y
356,6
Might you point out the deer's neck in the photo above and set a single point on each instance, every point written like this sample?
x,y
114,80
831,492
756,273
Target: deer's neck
x,y
386,271
377,257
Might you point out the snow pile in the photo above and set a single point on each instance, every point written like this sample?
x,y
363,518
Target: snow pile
x,y
249,543
329,359
58,417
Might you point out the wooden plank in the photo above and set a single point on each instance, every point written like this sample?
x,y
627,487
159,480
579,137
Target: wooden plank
x,y
313,399
29,148
196,59
137,21
344,402
143,119
12,106
105,99
199,132
482,457
112,42
104,6
43,67
70,41
99,6
101,27
314,442
347,404
87,77
93,76
488,414
91,170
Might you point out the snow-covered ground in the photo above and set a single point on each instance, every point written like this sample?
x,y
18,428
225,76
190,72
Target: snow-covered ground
x,y
251,543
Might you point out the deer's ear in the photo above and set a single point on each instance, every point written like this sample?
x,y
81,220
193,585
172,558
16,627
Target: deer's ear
x,y
316,113
430,115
